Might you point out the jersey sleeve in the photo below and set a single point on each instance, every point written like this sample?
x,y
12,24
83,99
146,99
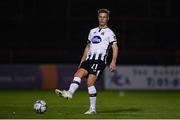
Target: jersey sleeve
x,y
112,38
89,37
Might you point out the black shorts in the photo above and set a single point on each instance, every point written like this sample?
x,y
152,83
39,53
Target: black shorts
x,y
95,67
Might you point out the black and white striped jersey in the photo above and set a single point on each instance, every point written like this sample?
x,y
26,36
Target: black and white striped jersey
x,y
100,40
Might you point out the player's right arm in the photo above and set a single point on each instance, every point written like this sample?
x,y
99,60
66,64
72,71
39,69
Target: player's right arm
x,y
85,53
86,49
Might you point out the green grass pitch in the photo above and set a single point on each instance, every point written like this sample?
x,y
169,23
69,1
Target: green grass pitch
x,y
18,104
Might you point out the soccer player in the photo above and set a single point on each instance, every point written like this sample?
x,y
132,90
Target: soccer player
x,y
93,61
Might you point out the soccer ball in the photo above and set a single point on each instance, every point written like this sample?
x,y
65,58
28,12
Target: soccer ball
x,y
40,106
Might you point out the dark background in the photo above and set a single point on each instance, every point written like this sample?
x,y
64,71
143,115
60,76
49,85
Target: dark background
x,y
55,31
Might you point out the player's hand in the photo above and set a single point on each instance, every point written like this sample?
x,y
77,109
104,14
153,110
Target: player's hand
x,y
112,67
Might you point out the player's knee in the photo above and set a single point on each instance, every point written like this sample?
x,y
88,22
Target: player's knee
x,y
79,73
90,83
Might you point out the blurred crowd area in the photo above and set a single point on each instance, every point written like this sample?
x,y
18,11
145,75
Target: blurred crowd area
x,y
55,31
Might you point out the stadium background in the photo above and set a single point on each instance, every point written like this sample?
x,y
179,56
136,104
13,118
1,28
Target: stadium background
x,y
54,32
42,43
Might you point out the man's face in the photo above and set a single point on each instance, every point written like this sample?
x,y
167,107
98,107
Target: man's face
x,y
103,19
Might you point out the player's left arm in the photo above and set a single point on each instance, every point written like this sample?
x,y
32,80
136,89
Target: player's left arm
x,y
112,66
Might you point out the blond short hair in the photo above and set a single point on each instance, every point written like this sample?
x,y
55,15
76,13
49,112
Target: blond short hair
x,y
104,11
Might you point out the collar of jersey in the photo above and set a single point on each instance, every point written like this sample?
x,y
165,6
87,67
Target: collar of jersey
x,y
103,28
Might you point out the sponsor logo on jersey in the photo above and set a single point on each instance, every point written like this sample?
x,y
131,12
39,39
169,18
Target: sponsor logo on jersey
x,y
96,39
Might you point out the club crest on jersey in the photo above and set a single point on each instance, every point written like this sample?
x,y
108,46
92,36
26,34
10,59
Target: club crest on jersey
x,y
96,39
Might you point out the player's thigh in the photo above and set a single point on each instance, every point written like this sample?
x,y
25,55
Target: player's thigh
x,y
81,73
91,80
